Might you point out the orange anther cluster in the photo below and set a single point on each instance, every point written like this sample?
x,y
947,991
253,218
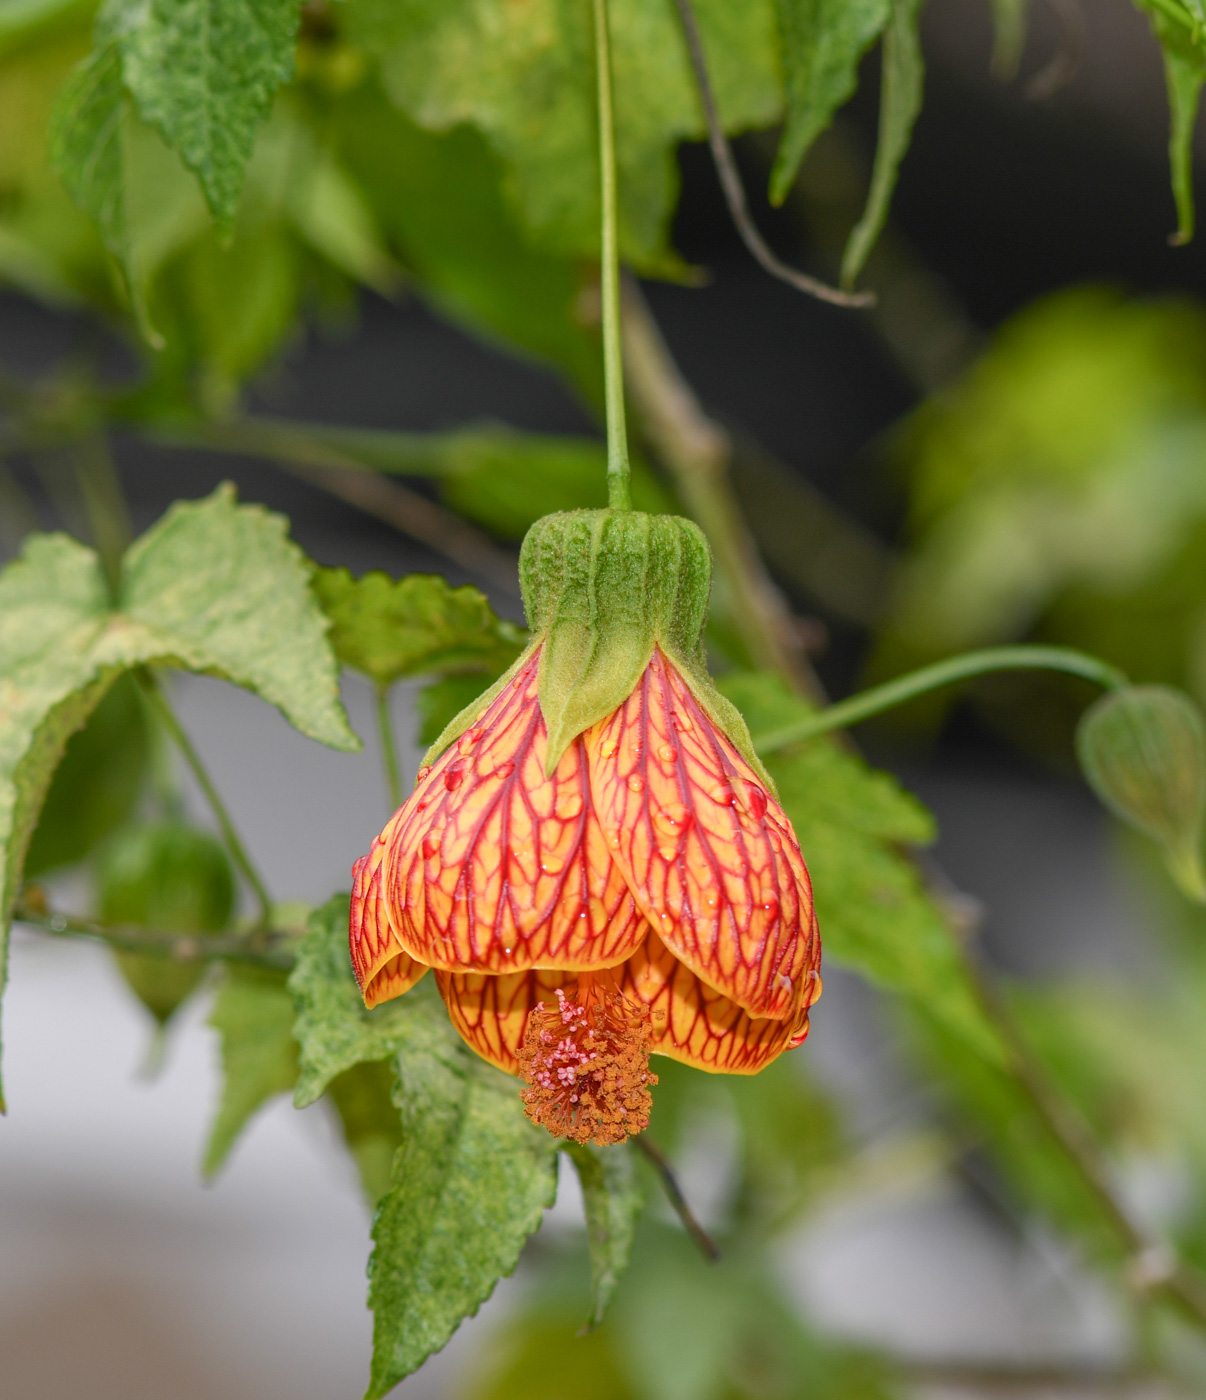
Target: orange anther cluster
x,y
585,1062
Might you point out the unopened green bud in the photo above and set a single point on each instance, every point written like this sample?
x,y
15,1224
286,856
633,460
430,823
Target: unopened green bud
x,y
1143,751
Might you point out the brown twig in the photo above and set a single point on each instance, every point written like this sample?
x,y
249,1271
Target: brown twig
x,y
734,190
674,1194
341,474
696,451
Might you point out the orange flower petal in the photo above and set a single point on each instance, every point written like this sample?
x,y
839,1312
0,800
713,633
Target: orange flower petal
x,y
708,852
692,1022
494,867
383,967
697,1025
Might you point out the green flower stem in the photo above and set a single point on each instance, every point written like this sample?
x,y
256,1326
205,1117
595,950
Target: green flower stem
x,y
238,853
389,749
955,668
619,495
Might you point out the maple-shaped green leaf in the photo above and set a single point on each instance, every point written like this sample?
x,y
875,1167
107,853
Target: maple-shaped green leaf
x,y
1184,75
204,73
334,1028
213,587
471,1182
390,629
524,75
823,41
613,1198
253,1013
372,1129
899,103
851,821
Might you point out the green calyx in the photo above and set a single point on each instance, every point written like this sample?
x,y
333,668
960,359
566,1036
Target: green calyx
x,y
602,589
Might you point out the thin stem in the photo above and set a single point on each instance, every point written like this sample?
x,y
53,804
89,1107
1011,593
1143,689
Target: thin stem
x,y
238,853
674,1194
1154,1266
956,668
271,948
389,749
734,191
103,502
619,495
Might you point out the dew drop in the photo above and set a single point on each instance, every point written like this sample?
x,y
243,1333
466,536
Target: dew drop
x,y
636,783
568,806
422,774
504,770
468,739
770,907
613,837
710,901
430,847
608,748
785,982
454,777
668,853
682,723
667,753
674,819
757,801
723,794
423,802
552,865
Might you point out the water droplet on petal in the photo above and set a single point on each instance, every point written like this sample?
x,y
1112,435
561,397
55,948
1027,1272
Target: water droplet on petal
x,y
710,900
552,865
785,982
613,837
668,853
757,801
454,777
636,783
682,723
673,819
568,806
608,748
422,774
770,907
423,802
467,740
667,753
504,770
723,794
430,846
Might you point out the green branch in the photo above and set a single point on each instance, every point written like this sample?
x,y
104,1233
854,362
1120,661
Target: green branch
x,y
955,668
619,494
269,948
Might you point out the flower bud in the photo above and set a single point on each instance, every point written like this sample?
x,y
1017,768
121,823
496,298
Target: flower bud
x,y
1143,751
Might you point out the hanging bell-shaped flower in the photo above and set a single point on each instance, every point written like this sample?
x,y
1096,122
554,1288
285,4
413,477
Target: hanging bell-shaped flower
x,y
593,859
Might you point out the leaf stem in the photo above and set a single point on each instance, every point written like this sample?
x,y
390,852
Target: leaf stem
x,y
238,853
955,668
619,494
734,191
389,749
674,1194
